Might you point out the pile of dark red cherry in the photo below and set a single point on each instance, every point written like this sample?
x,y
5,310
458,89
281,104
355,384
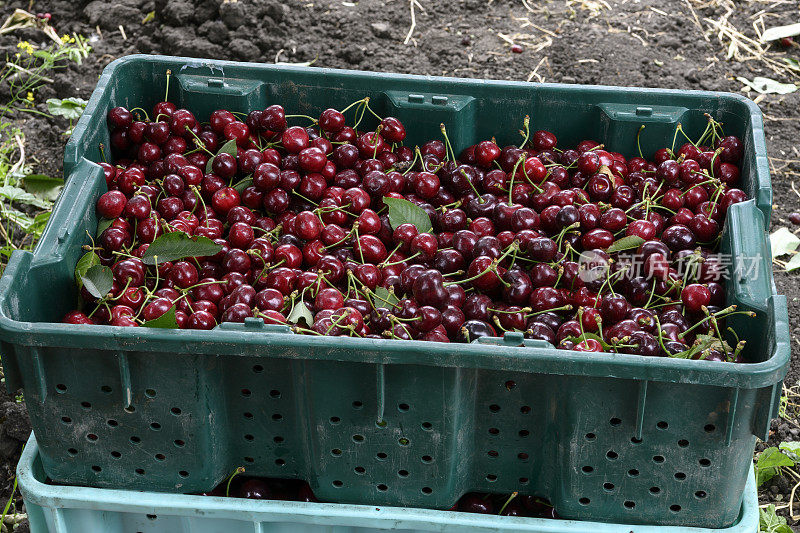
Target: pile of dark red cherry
x,y
293,490
337,231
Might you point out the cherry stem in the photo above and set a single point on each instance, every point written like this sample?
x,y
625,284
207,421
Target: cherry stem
x,y
239,470
103,153
312,119
166,91
513,175
472,186
200,144
146,116
452,154
357,102
526,123
638,144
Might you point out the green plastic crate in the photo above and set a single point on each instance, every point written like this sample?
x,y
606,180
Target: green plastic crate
x,y
619,438
69,509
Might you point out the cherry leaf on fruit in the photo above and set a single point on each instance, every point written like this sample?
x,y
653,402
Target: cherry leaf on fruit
x,y
86,262
385,298
98,280
625,243
782,241
178,245
103,224
165,321
300,311
404,212
227,148
243,184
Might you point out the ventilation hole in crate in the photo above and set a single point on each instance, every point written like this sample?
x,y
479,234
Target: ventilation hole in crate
x,y
590,436
655,490
96,468
403,441
709,428
381,456
248,416
587,469
248,459
402,473
66,420
524,409
629,504
249,437
427,459
381,423
427,426
86,405
72,451
277,439
492,453
704,462
150,393
274,393
522,456
510,384
179,443
658,459
584,501
427,490
523,481
612,455
246,393
491,478
635,441
700,494
381,487
336,452
524,433
106,389
135,439
633,472
115,454
608,487
615,421
130,409
680,476
494,408
357,404
494,431
403,407
683,443
92,437
152,517
662,425
183,474
358,438
280,462
160,457
360,470
337,483
155,426
61,388
675,508
139,471
257,369
277,417
175,411
112,423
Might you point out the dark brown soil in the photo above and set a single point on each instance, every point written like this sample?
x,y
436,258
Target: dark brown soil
x,y
648,43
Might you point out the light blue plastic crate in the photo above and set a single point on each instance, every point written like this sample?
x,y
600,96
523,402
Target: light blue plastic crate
x,y
65,509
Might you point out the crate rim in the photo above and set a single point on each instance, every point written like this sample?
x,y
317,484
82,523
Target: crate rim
x,y
72,497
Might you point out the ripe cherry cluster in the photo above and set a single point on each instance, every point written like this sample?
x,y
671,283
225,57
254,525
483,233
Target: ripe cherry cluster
x,y
338,230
